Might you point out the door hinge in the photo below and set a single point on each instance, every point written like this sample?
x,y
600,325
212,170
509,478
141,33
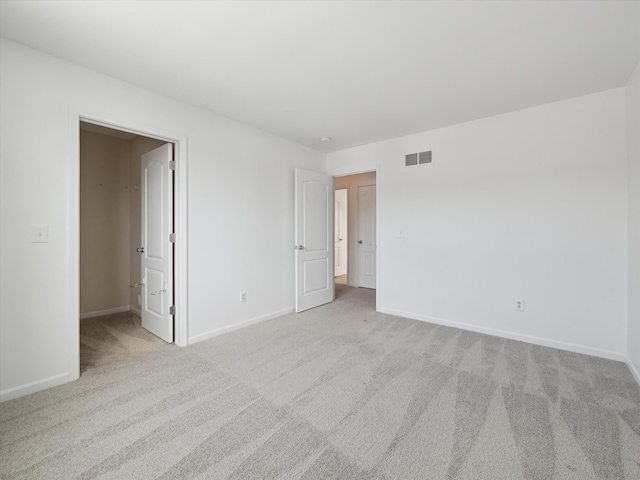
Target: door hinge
x,y
172,237
172,310
172,165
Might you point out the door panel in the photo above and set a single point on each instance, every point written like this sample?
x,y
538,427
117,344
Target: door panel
x,y
157,257
367,236
314,234
154,283
315,275
316,211
154,181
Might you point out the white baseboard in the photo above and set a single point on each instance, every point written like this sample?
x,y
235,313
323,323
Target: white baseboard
x,y
135,311
237,326
100,313
545,342
634,370
32,387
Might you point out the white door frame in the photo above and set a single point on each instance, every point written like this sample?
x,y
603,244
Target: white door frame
x,y
378,226
73,206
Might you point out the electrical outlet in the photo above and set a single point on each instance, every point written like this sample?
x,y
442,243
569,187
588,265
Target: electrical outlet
x,y
243,296
519,305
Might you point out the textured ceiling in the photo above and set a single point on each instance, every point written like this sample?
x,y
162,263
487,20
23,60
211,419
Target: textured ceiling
x,y
357,72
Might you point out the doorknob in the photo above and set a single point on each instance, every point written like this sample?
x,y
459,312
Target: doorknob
x,y
300,247
140,250
136,285
360,242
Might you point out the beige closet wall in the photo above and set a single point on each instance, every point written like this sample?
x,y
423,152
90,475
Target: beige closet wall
x,y
351,183
139,146
104,222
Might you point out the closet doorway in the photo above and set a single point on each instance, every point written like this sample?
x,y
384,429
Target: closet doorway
x,y
116,194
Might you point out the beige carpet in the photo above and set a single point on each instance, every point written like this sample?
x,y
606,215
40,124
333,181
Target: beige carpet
x,y
111,338
341,279
337,392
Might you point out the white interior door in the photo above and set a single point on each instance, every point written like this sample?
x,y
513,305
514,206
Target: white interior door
x,y
157,254
314,239
340,232
367,236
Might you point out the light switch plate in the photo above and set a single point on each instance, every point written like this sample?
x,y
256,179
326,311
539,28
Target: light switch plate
x,y
39,233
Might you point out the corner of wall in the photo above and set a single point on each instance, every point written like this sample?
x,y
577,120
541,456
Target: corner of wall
x,y
632,98
634,370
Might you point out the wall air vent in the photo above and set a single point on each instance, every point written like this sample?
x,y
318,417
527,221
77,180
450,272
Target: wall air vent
x,y
411,159
424,157
414,159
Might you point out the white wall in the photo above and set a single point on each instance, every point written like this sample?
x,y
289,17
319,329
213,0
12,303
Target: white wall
x,y
531,204
240,194
633,152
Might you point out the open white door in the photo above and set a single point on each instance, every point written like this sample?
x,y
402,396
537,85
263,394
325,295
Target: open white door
x,y
314,239
157,249
340,232
367,236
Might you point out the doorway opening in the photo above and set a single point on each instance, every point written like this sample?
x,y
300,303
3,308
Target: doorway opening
x,y
355,235
126,202
179,141
316,242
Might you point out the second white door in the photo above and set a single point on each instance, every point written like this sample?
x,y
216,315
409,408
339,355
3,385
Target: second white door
x,y
340,232
367,236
